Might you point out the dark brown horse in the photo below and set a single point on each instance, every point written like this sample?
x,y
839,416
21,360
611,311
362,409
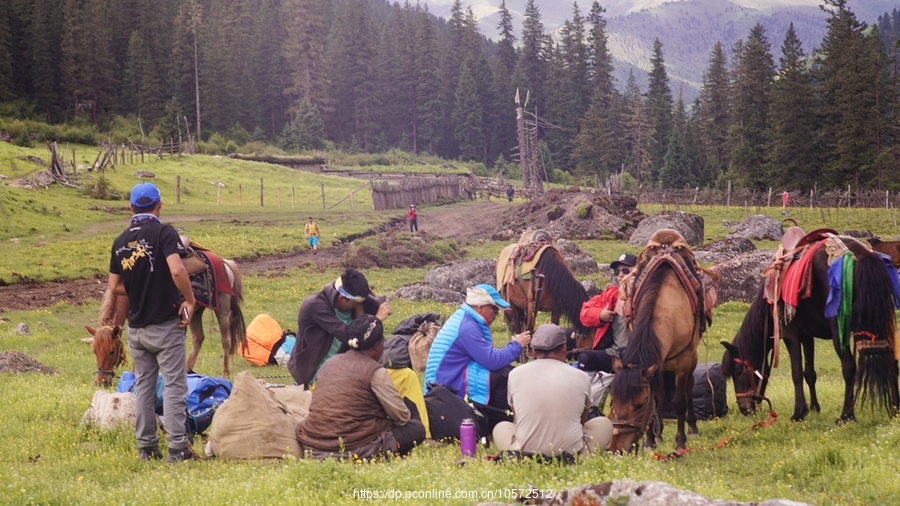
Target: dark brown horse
x,y
560,293
665,337
868,364
229,316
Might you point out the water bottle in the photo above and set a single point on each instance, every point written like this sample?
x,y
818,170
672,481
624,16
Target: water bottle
x,y
467,437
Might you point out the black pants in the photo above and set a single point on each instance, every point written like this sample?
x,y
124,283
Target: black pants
x,y
411,434
414,223
499,399
595,360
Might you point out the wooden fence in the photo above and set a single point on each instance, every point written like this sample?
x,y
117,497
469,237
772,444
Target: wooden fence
x,y
812,199
400,194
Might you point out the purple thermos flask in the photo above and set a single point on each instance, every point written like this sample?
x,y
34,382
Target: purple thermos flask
x,y
467,437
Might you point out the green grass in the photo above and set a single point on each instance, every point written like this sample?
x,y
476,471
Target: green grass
x,y
46,457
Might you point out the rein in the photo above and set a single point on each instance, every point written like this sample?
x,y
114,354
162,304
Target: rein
x,y
632,425
120,359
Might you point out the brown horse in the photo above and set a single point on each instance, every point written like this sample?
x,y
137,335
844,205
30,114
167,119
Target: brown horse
x,y
889,248
229,316
665,337
560,293
107,342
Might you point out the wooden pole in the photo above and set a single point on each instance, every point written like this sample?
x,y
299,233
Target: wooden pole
x,y
746,214
323,194
769,201
292,197
728,196
218,195
240,195
261,191
351,200
178,189
893,218
278,195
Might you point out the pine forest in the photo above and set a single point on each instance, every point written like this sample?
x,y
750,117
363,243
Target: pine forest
x,y
371,76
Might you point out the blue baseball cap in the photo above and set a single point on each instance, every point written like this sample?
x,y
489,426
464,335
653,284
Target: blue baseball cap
x,y
144,195
484,294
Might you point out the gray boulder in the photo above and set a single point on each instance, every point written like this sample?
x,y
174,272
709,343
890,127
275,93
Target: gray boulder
x,y
723,250
740,277
757,227
579,261
591,288
23,329
424,291
688,225
462,274
646,493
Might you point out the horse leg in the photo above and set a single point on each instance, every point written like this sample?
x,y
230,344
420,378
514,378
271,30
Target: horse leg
x,y
848,369
794,350
197,336
809,372
223,316
689,400
683,382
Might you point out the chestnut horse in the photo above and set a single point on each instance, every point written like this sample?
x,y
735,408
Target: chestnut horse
x,y
665,337
889,248
869,372
107,342
560,293
229,316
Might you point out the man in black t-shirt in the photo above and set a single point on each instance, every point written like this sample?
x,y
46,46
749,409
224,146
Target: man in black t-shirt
x,y
146,266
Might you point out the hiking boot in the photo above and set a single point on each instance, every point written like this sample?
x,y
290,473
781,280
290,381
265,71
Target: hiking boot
x,y
150,454
182,454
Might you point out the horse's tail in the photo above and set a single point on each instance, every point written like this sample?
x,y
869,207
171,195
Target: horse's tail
x,y
236,320
568,293
874,328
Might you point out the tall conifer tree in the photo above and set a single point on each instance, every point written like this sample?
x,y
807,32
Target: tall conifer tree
x,y
659,105
714,116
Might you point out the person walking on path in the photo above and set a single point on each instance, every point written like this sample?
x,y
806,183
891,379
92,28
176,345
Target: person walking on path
x,y
412,216
311,232
785,201
510,192
146,265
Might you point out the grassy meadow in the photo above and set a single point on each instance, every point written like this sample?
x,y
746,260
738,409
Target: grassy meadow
x,y
47,457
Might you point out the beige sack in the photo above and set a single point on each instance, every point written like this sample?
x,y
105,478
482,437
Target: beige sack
x,y
110,409
420,345
258,422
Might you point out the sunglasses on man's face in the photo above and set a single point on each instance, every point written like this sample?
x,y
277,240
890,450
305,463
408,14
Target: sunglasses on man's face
x,y
495,308
624,270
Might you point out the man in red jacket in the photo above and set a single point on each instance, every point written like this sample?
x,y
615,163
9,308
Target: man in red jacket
x,y
413,217
600,312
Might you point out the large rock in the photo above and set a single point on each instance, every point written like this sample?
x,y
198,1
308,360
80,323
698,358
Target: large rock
x,y
757,227
462,274
425,291
646,493
726,249
688,225
740,277
579,261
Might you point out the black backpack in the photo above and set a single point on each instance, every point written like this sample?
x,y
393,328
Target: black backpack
x,y
446,411
709,402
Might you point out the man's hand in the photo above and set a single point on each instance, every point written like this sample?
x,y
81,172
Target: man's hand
x,y
384,310
524,338
607,314
186,310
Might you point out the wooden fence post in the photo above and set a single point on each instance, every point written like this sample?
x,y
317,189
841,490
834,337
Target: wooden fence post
x,y
178,189
240,195
769,201
292,197
728,196
323,194
278,196
261,190
218,195
308,198
351,200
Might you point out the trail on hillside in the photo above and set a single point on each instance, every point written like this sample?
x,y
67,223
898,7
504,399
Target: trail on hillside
x,y
462,223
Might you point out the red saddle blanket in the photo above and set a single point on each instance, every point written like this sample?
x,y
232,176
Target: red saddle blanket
x,y
207,284
798,278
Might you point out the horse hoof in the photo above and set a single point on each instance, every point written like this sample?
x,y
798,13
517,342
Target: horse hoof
x,y
844,419
693,433
815,407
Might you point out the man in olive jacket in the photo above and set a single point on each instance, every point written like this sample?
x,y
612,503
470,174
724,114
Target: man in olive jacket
x,y
324,319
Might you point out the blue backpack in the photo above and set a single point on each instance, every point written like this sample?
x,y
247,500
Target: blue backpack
x,y
205,395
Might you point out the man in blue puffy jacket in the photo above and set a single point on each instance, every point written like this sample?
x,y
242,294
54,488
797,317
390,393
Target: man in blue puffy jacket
x,y
463,356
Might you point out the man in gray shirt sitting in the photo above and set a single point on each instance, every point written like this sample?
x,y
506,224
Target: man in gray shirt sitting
x,y
550,402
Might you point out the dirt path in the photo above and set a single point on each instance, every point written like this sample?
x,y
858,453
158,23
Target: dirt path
x,y
461,222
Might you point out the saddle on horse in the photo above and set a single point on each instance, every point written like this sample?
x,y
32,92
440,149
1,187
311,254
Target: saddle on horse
x,y
668,246
521,257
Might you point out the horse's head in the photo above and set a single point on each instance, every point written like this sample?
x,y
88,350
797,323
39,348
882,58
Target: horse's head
x,y
632,405
747,380
109,350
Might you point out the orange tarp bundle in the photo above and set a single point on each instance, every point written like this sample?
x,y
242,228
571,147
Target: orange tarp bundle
x,y
263,334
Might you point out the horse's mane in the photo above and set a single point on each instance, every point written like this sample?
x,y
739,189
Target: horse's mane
x,y
567,292
749,339
113,309
644,349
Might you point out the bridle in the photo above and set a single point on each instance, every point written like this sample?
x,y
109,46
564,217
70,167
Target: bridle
x,y
633,425
755,392
120,358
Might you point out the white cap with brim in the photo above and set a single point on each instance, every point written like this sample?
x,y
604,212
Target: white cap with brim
x,y
483,295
